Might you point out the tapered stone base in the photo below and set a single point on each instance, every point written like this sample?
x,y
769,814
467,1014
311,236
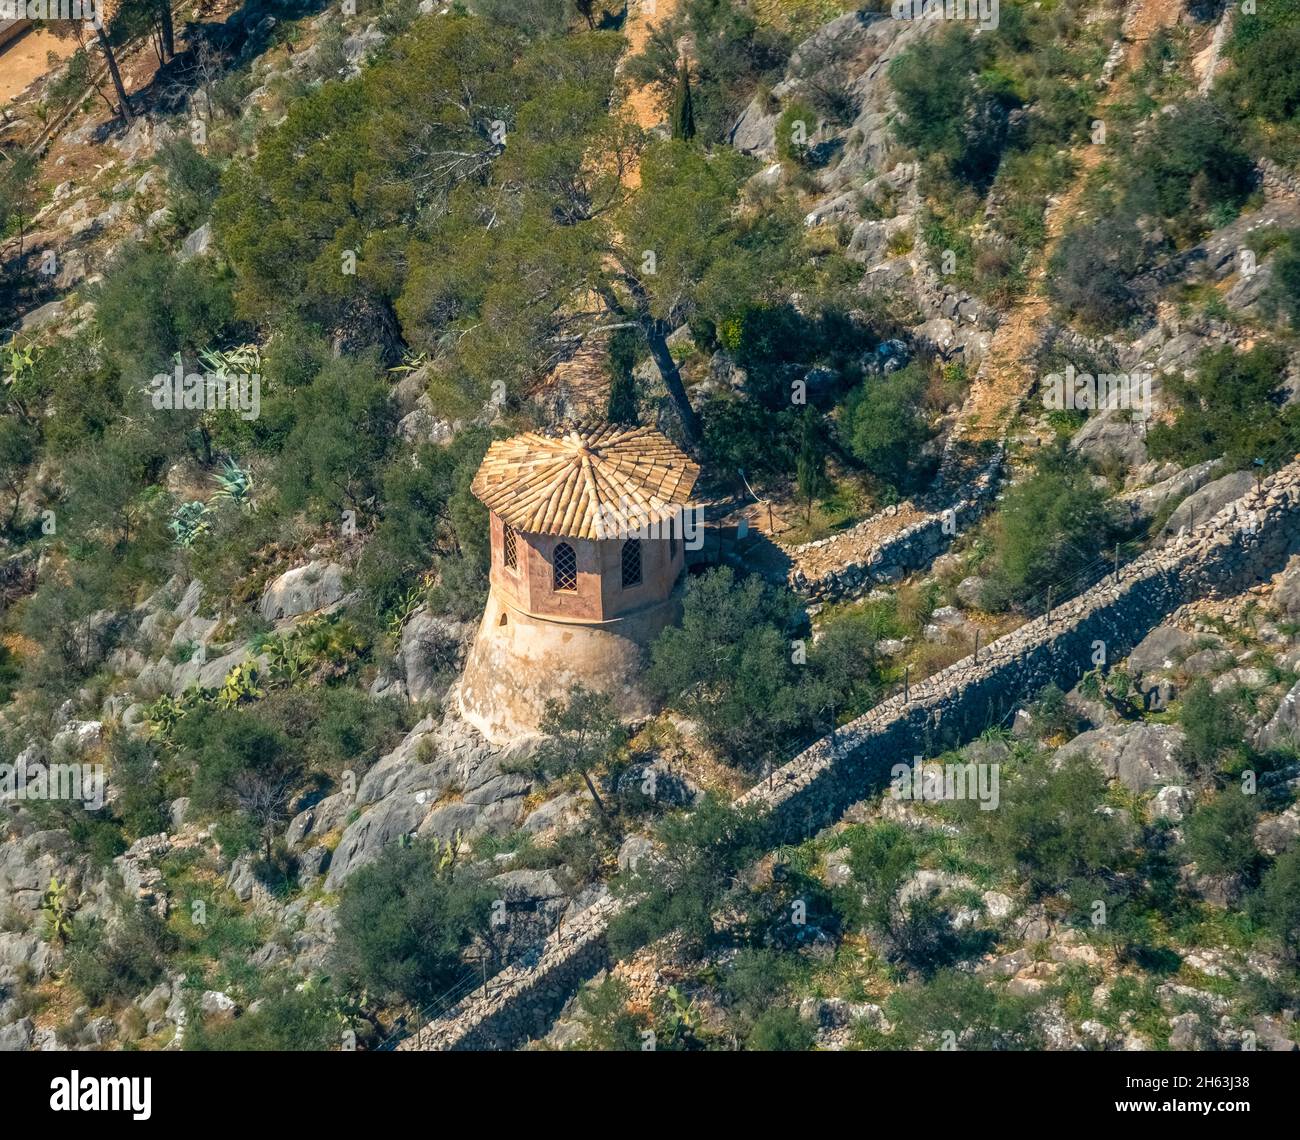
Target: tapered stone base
x,y
518,661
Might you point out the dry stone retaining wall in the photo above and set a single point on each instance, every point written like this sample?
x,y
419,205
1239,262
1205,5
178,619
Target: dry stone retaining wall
x,y
912,548
11,30
1257,532
1277,181
1243,543
523,1000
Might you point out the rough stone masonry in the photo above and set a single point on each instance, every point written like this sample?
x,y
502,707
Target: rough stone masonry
x,y
1245,542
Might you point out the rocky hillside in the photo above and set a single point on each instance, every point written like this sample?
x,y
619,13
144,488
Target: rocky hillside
x,y
841,258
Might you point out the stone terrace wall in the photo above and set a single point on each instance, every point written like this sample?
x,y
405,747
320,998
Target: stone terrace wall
x,y
910,549
1255,534
11,30
523,1000
1277,181
1246,542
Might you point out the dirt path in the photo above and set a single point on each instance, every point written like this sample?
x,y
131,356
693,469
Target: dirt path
x,y
642,17
26,60
1206,64
583,380
1005,376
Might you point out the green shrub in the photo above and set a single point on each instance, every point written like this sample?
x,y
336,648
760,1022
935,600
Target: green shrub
x,y
142,798
1285,290
333,453
1052,524
193,180
701,851
884,424
962,120
729,667
1089,273
432,524
292,1020
122,964
753,982
242,764
1220,834
794,131
151,306
404,921
1277,902
1235,406
1048,828
1193,167
781,1031
960,1010
1263,82
608,1026
1213,731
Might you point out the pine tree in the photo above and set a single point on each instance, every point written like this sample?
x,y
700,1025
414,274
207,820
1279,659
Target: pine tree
x,y
78,30
124,101
683,109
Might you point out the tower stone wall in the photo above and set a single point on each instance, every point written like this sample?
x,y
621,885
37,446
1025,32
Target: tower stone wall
x,y
519,660
577,596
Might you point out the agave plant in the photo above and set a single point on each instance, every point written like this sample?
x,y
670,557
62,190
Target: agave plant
x,y
242,360
188,521
235,484
411,362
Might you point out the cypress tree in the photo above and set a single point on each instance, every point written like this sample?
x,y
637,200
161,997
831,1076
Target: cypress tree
x,y
810,468
683,110
623,399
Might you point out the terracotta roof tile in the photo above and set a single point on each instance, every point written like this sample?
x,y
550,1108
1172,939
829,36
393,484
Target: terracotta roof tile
x,y
574,481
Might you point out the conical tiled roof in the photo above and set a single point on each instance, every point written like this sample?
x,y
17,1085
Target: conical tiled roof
x,y
573,482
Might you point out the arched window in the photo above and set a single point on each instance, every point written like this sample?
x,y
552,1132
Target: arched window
x,y
631,563
509,549
565,565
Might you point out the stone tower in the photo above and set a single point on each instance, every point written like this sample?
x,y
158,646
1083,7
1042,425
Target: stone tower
x,y
587,553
